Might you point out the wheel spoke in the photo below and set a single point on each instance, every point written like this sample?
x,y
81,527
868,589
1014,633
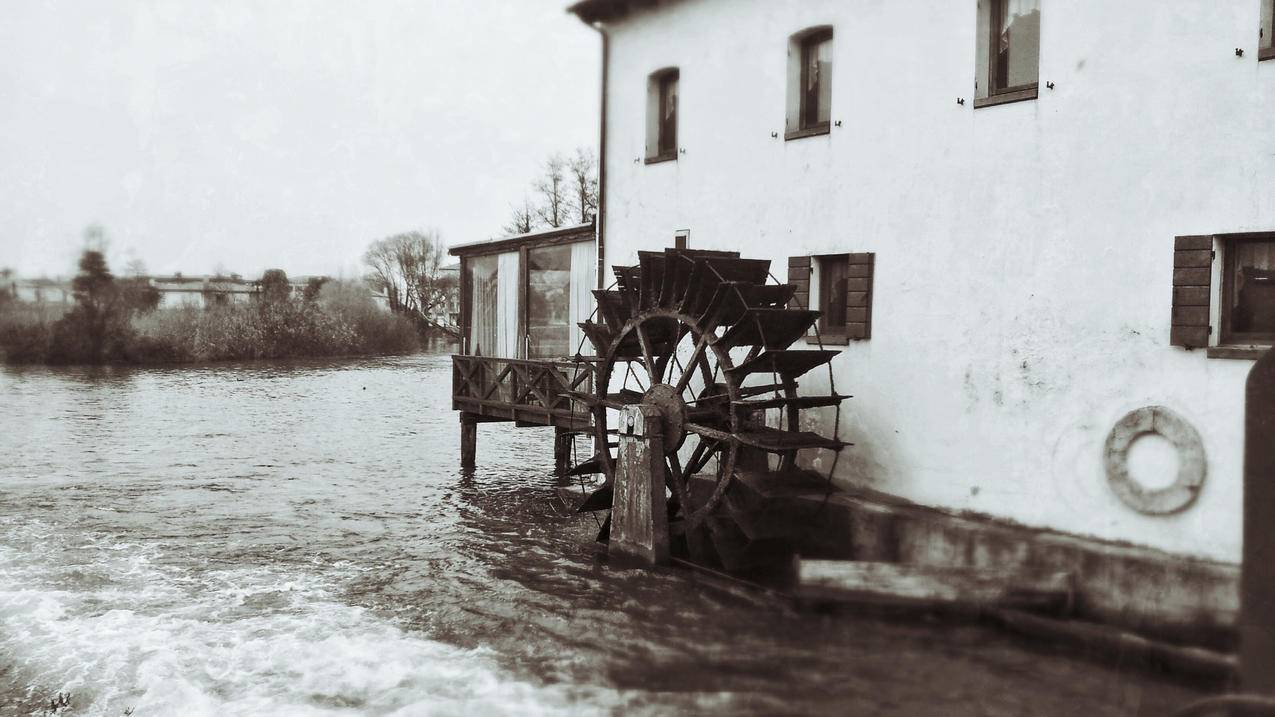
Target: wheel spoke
x,y
647,357
685,379
712,433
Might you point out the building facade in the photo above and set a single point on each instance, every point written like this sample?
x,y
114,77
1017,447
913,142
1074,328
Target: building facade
x,y
1037,230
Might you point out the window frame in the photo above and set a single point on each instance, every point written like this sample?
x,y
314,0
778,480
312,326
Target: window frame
x,y
1228,337
1001,95
657,99
799,44
1265,40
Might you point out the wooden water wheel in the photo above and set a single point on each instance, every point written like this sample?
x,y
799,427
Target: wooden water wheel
x,y
703,335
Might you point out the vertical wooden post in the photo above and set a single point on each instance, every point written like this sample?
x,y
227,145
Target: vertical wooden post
x,y
562,439
639,514
1257,583
468,441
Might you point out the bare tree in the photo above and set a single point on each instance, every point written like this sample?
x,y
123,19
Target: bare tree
x,y
583,177
383,276
522,219
408,268
135,269
552,188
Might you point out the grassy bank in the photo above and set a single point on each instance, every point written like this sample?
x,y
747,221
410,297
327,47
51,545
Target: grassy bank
x,y
342,321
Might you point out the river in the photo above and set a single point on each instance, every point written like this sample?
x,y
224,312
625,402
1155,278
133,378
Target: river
x,y
297,539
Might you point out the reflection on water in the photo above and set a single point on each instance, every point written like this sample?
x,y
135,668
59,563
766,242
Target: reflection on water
x,y
295,538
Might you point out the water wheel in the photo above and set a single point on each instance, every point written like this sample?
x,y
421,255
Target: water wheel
x,y
704,335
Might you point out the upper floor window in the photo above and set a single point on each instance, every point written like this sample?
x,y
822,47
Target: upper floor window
x,y
809,82
1009,50
1266,35
661,116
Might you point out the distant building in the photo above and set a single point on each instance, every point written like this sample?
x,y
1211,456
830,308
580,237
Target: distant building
x,y
41,291
177,291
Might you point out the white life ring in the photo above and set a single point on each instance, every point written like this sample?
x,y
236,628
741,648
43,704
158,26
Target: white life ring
x,y
1191,461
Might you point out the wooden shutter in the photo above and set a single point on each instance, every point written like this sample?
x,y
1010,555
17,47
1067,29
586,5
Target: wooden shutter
x,y
799,276
1192,271
859,296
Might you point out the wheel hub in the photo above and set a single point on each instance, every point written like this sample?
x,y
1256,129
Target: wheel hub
x,y
672,412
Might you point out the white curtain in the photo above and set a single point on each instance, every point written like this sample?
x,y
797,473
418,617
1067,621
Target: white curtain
x,y
507,339
583,279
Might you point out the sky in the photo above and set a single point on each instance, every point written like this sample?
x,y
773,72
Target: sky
x,y
244,135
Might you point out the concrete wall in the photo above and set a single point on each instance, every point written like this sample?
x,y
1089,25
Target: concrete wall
x,y
1023,252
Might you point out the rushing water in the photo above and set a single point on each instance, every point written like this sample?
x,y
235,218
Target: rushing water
x,y
297,539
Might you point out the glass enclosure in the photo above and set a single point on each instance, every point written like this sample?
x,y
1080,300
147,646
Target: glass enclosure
x,y
549,302
483,305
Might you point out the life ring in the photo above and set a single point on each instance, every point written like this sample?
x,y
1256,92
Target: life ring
x,y
1191,461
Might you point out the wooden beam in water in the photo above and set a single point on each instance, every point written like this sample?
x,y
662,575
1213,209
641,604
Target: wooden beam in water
x,y
922,585
468,441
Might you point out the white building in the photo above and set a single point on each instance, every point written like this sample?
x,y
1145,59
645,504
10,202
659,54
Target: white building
x,y
1024,219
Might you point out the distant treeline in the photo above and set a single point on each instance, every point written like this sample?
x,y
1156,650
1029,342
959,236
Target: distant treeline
x,y
116,321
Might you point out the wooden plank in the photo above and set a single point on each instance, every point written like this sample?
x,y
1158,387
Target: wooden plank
x,y
1188,243
859,271
1191,277
1191,296
1190,316
798,261
1193,336
858,298
857,331
1197,258
899,583
861,258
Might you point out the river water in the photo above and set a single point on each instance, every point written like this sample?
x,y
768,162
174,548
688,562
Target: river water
x,y
297,539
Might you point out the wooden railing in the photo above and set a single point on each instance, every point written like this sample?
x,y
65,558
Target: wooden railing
x,y
525,391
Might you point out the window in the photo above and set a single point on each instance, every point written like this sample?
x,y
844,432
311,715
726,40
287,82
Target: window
x,y
841,288
809,83
680,238
1008,52
816,80
1244,304
661,116
1266,34
833,273
1248,292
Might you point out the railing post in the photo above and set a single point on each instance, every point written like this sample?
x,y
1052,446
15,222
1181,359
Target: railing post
x,y
1257,584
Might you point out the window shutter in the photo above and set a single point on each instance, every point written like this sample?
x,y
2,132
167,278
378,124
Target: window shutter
x,y
1192,271
799,276
859,296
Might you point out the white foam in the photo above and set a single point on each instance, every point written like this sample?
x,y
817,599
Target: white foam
x,y
117,627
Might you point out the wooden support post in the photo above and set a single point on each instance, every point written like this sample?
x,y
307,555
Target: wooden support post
x,y
468,441
1257,582
639,514
562,439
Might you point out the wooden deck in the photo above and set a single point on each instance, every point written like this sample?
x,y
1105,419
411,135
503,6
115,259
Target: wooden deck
x,y
528,392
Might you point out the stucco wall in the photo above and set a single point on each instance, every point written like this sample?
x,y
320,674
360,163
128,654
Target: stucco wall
x,y
1023,252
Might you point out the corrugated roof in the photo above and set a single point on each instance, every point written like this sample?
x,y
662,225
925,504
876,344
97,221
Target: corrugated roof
x,y
489,246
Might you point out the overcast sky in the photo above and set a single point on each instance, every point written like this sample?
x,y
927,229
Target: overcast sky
x,y
277,133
